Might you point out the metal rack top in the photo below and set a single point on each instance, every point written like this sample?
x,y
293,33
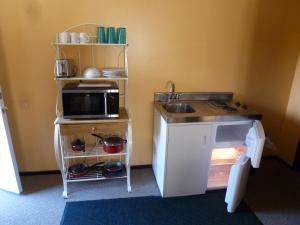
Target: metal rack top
x,y
91,79
87,44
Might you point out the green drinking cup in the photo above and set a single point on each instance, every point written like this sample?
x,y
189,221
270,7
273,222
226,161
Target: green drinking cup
x,y
101,38
111,35
121,35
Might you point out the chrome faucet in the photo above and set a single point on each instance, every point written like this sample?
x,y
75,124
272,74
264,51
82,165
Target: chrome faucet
x,y
172,89
172,95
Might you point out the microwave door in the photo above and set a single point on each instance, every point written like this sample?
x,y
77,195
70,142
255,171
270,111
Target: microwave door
x,y
83,105
255,140
237,183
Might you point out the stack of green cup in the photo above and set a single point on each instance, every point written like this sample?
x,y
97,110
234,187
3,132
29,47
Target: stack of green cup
x,y
101,35
121,35
110,36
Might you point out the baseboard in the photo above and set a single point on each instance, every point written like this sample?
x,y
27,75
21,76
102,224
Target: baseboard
x,y
146,166
48,172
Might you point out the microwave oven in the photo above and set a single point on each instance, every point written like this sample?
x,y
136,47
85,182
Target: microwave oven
x,y
90,101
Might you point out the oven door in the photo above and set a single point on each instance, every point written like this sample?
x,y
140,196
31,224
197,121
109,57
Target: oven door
x,y
84,105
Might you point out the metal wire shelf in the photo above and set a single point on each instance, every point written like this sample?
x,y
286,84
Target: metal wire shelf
x,y
78,78
96,175
87,44
91,151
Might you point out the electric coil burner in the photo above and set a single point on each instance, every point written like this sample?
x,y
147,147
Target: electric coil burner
x,y
224,105
229,109
219,103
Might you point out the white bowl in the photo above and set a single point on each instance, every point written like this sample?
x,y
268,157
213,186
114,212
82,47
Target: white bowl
x,y
91,72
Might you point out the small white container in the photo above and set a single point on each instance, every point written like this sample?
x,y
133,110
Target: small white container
x,y
91,72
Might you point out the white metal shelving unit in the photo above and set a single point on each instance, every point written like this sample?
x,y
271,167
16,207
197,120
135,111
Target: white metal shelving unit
x,y
66,127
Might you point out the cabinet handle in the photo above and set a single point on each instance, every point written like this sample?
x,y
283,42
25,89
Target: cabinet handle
x,y
93,129
105,103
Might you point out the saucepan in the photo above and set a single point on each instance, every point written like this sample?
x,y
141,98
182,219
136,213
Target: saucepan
x,y
111,143
78,170
113,169
78,145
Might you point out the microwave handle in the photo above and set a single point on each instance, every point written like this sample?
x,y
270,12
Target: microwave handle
x,y
105,103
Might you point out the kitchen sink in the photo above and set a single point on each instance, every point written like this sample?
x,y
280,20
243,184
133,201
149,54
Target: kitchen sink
x,y
179,108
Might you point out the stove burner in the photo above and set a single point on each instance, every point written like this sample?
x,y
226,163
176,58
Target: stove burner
x,y
225,105
229,109
219,103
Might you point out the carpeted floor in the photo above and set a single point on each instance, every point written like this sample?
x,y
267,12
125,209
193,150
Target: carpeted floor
x,y
208,209
273,194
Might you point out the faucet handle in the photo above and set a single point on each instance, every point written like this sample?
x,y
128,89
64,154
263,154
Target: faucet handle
x,y
177,96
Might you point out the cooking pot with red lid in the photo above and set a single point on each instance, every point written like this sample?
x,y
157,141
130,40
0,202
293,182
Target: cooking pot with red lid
x,y
111,143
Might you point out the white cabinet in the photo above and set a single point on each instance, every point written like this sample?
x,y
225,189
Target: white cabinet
x,y
181,156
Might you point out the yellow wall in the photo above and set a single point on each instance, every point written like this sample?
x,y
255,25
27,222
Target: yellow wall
x,y
291,125
290,132
202,45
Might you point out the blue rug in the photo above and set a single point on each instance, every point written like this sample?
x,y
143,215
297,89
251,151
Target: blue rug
x,y
207,209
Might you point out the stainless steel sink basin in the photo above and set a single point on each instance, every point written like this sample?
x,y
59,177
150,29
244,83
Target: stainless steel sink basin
x,y
179,108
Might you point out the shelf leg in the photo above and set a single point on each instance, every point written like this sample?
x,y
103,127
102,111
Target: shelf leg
x,y
65,195
128,179
129,151
57,147
59,159
65,192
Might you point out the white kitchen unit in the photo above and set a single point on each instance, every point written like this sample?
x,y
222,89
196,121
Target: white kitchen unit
x,y
181,156
195,156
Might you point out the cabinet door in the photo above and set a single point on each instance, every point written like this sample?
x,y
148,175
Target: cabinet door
x,y
159,150
188,158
